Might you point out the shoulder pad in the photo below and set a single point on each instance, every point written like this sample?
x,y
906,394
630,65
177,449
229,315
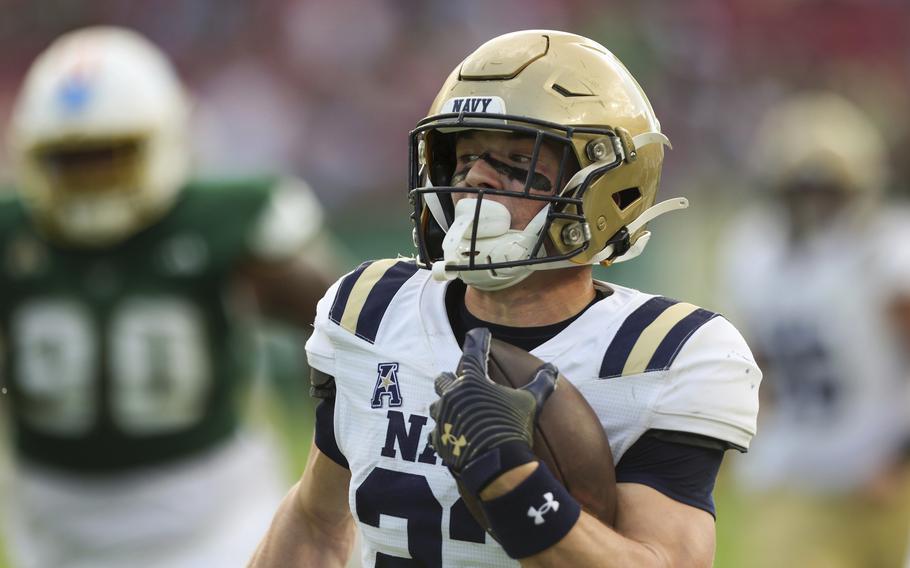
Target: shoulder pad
x,y
364,295
651,336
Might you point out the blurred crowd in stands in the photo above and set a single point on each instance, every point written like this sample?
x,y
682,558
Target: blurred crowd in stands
x,y
329,90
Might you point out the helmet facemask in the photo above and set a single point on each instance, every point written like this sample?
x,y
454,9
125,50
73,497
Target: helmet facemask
x,y
432,186
92,184
560,229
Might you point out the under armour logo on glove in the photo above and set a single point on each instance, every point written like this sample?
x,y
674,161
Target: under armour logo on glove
x,y
449,438
550,504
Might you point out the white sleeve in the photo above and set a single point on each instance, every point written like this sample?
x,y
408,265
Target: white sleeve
x,y
320,349
290,219
712,388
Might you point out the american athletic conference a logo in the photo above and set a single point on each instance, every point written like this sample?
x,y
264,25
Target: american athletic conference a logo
x,y
386,386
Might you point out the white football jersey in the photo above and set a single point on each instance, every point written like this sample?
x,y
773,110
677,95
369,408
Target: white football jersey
x,y
642,362
817,315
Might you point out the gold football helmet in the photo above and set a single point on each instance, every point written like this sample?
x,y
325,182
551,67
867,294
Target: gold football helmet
x,y
563,90
98,136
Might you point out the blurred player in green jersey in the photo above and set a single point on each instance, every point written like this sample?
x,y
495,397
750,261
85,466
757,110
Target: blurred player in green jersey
x,y
121,283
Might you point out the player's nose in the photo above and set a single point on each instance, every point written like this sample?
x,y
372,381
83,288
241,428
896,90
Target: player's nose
x,y
482,174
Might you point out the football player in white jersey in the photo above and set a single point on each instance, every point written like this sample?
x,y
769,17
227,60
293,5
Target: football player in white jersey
x,y
122,376
819,276
540,157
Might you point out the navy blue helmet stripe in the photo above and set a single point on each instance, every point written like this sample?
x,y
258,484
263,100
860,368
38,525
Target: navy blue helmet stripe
x,y
344,292
671,345
380,296
628,334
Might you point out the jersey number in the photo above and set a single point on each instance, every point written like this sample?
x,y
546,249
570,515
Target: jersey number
x,y
408,496
154,349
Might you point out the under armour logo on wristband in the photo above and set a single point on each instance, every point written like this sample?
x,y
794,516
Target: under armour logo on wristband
x,y
549,505
449,438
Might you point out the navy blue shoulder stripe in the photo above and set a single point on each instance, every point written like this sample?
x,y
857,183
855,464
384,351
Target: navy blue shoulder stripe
x,y
364,295
651,337
670,346
381,296
344,292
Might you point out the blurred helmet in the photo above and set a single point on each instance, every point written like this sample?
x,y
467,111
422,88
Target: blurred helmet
x,y
820,139
98,136
565,91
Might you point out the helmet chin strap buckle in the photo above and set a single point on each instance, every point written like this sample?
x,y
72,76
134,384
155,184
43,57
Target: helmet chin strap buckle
x,y
636,249
620,249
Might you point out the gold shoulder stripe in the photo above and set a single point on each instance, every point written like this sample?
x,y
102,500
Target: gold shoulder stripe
x,y
650,339
361,290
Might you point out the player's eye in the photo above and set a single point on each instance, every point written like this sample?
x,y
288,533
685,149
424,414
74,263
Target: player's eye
x,y
467,158
520,158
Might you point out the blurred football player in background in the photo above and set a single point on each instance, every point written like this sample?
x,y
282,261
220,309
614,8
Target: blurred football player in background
x,y
540,157
123,286
819,278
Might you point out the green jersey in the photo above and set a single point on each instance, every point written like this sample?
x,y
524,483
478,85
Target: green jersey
x,y
129,355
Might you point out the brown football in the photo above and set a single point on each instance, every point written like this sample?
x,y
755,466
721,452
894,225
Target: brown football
x,y
568,438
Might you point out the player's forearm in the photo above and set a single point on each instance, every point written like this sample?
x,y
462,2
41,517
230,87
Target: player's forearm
x,y
297,538
288,291
673,538
588,543
593,544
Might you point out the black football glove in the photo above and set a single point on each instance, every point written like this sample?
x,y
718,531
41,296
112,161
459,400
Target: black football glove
x,y
483,429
